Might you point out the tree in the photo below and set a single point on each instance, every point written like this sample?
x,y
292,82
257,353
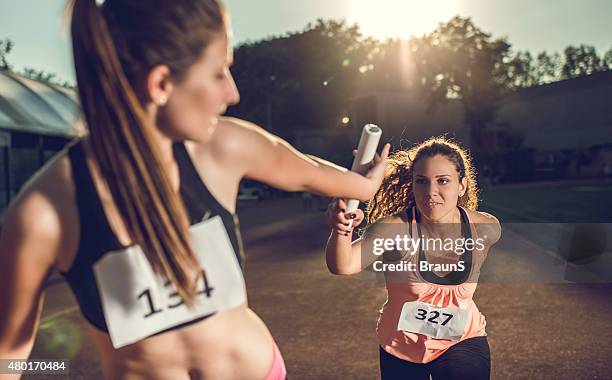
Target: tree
x,y
458,60
301,79
39,75
607,59
390,66
45,76
581,60
522,70
6,45
548,67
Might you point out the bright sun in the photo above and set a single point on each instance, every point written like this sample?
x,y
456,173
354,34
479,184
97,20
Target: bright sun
x,y
400,18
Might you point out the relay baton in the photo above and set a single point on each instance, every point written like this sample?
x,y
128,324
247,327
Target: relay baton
x,y
370,136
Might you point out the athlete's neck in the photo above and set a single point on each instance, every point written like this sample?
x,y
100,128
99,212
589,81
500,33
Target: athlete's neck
x,y
453,216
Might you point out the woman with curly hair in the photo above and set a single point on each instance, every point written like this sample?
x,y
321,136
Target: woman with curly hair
x,y
426,236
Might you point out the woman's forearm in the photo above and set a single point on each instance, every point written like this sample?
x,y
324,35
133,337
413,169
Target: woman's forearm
x,y
336,181
339,254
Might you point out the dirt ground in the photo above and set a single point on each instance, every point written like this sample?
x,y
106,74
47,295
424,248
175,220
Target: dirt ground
x,y
325,324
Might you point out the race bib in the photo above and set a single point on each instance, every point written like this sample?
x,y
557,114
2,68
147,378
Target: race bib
x,y
137,303
435,322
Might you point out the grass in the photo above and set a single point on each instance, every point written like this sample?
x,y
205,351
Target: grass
x,y
550,203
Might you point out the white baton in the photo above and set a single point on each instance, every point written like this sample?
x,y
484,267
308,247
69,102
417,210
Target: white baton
x,y
370,136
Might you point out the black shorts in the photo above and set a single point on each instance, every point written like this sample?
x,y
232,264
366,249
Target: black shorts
x,y
466,360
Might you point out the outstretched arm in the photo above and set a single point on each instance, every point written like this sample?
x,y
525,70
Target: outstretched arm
x,y
344,256
270,159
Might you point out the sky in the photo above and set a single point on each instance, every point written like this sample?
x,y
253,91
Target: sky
x,y
41,38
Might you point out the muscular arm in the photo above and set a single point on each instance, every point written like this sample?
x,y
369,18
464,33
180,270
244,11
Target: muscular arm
x,y
269,159
27,253
30,242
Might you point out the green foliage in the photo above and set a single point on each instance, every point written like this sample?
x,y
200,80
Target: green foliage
x,y
548,67
40,75
581,60
307,79
6,45
458,60
522,70
607,59
301,79
45,76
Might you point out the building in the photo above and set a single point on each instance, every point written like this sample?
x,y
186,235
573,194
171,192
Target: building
x,y
569,114
37,119
563,128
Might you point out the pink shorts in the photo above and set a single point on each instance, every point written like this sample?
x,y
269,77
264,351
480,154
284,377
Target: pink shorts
x,y
278,371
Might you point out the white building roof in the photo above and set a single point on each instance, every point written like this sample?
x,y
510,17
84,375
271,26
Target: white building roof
x,y
37,107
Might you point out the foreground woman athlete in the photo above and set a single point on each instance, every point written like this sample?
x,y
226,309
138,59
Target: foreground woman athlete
x,y
430,324
139,216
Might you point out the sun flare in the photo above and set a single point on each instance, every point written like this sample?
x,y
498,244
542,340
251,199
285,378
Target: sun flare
x,y
400,18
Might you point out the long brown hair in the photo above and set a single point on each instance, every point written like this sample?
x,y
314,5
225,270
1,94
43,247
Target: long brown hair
x,y
396,194
115,45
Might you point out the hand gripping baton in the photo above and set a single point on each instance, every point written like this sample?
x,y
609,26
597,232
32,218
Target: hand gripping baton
x,y
370,136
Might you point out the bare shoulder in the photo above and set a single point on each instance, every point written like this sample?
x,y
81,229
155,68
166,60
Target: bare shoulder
x,y
235,144
47,190
238,126
232,140
234,135
44,210
486,225
482,217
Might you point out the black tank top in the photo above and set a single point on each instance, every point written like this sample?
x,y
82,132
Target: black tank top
x,y
97,238
455,277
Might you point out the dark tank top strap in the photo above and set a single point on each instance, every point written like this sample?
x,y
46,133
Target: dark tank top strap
x,y
202,203
95,231
455,277
95,239
465,224
193,190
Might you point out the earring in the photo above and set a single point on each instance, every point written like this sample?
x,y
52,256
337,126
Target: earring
x,y
162,100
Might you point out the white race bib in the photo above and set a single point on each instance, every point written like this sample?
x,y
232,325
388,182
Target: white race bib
x,y
138,304
435,322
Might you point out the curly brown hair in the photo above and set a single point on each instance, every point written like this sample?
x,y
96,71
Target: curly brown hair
x,y
395,194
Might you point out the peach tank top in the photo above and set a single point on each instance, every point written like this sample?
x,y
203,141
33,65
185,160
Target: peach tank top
x,y
417,347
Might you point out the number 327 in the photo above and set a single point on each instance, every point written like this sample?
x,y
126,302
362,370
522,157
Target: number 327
x,y
422,315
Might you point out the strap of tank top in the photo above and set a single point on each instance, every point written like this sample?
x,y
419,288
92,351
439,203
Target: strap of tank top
x,y
465,218
452,279
77,163
90,210
192,184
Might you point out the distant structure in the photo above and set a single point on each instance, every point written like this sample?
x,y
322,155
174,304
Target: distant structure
x,y
564,129
561,129
37,119
570,114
